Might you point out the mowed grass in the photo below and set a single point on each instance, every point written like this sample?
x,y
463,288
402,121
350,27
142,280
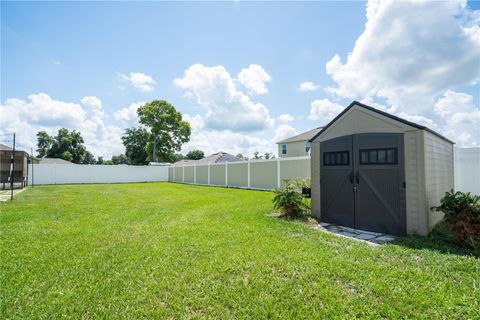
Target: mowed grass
x,y
162,250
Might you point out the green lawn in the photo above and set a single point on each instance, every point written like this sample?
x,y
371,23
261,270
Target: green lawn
x,y
162,250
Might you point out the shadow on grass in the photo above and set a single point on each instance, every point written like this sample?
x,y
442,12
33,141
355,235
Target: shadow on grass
x,y
440,239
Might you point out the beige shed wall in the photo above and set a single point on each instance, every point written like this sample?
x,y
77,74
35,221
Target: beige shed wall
x,y
439,176
294,149
217,174
360,120
294,169
202,174
238,174
416,207
315,170
263,174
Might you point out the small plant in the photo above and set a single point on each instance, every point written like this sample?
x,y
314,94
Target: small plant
x,y
462,216
289,199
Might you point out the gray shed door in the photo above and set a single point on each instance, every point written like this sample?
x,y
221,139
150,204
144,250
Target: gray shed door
x,y
362,182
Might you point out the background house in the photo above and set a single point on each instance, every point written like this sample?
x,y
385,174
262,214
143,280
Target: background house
x,y
218,157
298,145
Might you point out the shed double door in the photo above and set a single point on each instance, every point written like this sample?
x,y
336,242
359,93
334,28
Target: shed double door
x,y
362,181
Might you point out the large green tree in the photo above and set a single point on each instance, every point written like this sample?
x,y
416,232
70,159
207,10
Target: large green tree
x,y
135,141
195,155
67,145
169,131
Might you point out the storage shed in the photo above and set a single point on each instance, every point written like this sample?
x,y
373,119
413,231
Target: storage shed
x,y
377,172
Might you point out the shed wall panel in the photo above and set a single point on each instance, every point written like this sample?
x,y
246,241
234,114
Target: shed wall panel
x,y
315,171
439,176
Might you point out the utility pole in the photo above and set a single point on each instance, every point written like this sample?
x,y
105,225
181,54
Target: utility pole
x,y
31,151
12,175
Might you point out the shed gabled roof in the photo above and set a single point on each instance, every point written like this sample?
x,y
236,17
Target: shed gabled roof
x,y
305,136
385,114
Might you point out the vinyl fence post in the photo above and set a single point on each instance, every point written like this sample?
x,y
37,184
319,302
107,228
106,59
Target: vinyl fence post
x,y
208,175
174,178
278,173
248,173
194,173
183,174
226,174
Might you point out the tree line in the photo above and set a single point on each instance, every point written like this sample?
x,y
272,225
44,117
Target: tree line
x,y
158,138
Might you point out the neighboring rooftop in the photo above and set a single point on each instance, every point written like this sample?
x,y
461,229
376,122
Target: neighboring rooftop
x,y
305,136
217,157
53,161
4,147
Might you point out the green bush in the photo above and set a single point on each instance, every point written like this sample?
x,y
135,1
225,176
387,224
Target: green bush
x,y
289,198
462,216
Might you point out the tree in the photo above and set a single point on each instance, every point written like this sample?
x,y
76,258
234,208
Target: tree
x,y
100,160
178,157
65,145
195,155
44,143
257,155
135,141
269,155
120,159
167,128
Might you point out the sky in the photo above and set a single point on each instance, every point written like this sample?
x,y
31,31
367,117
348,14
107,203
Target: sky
x,y
244,74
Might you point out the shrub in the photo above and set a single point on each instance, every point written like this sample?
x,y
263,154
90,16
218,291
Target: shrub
x,y
289,199
462,216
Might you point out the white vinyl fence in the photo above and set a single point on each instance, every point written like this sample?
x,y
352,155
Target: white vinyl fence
x,y
467,170
252,174
78,173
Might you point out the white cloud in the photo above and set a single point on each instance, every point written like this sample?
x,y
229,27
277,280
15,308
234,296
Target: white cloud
x,y
460,117
308,86
409,48
92,101
139,80
324,110
227,107
42,112
285,118
284,131
409,53
211,141
254,78
128,115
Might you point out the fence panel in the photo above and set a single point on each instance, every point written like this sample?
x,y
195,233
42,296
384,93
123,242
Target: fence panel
x,y
189,174
217,175
238,174
202,174
467,170
73,173
294,169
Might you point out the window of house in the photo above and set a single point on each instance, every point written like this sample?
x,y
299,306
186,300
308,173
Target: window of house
x,y
379,156
307,146
337,158
284,149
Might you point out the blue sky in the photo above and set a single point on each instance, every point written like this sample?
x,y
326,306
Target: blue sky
x,y
87,66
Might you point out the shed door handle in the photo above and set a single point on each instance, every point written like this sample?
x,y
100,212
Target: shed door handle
x,y
350,176
357,177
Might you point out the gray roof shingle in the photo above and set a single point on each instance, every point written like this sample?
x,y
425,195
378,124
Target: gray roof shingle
x,y
305,136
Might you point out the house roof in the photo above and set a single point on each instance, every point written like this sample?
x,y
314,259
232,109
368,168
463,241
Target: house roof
x,y
4,147
217,157
305,136
53,161
388,115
